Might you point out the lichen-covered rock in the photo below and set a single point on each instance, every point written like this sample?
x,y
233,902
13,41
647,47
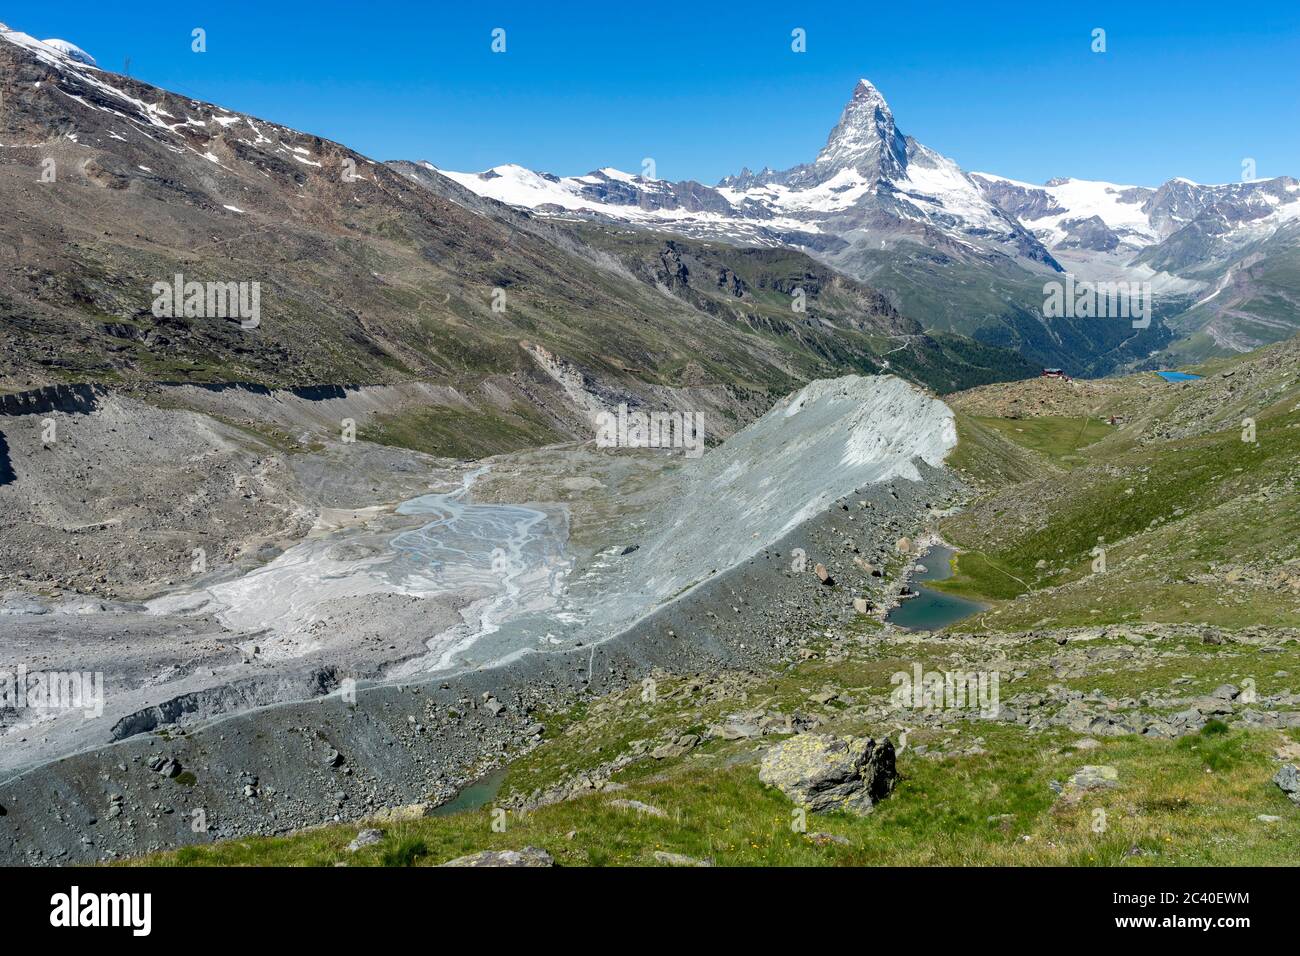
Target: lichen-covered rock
x,y
528,856
1089,779
678,859
821,772
409,811
826,839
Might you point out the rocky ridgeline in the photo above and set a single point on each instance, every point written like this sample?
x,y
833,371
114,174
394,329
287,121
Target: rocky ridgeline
x,y
1045,397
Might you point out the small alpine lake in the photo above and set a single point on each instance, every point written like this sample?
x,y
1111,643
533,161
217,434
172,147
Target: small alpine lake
x,y
932,610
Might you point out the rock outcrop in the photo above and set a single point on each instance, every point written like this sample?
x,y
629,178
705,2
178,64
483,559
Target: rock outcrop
x,y
528,856
1288,778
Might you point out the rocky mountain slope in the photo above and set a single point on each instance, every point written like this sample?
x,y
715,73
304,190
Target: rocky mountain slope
x,y
367,274
705,579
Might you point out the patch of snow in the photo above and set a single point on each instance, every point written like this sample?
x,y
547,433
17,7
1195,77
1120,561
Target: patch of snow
x,y
1008,180
71,51
937,184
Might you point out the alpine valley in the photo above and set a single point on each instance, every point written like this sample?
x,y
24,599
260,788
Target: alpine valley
x,y
355,511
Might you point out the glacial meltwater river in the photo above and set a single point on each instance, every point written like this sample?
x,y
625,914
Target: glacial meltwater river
x,y
510,560
513,553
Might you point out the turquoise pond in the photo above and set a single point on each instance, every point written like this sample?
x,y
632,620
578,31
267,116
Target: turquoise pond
x,y
474,796
1178,376
931,610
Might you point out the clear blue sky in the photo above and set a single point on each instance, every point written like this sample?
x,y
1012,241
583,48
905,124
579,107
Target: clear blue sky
x,y
705,88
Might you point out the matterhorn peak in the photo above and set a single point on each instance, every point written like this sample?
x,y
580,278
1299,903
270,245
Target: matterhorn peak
x,y
865,137
866,90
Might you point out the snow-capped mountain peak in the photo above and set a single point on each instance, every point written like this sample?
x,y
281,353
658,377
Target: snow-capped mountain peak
x,y
869,181
1102,217
1069,213
865,138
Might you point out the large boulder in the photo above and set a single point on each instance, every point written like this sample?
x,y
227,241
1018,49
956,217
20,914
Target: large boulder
x,y
1288,779
367,837
821,772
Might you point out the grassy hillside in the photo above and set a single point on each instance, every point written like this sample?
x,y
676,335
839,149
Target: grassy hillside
x,y
972,792
451,433
1196,523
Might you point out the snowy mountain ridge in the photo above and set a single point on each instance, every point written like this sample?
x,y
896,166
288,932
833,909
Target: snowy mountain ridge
x,y
884,208
868,178
1137,216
